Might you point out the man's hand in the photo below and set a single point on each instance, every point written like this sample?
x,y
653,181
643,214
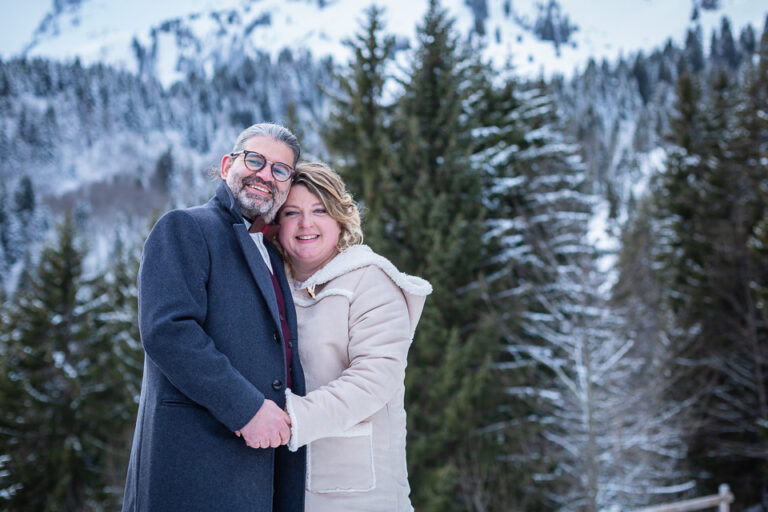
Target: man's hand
x,y
270,427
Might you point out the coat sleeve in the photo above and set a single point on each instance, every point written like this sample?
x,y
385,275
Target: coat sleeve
x,y
173,282
379,338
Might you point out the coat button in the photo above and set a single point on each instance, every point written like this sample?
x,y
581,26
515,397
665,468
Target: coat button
x,y
277,337
290,344
277,384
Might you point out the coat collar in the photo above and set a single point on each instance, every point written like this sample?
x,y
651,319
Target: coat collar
x,y
415,289
227,201
359,256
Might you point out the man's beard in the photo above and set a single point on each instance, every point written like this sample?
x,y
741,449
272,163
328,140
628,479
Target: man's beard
x,y
253,207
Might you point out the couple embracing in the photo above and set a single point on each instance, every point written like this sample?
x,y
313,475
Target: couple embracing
x,y
274,373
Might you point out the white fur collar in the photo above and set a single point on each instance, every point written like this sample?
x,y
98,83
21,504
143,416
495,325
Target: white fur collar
x,y
359,256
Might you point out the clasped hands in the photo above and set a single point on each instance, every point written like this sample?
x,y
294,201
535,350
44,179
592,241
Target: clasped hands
x,y
269,428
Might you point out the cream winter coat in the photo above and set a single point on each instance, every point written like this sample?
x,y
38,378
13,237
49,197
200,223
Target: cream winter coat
x,y
355,333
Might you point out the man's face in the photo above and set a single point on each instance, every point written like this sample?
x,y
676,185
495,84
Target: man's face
x,y
258,193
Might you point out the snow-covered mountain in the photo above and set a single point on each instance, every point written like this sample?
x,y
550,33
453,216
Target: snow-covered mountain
x,y
170,38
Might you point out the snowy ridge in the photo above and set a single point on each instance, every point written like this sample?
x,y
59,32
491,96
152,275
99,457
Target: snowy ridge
x,y
170,38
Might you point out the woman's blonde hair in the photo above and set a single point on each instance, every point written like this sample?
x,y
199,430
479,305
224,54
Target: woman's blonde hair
x,y
329,188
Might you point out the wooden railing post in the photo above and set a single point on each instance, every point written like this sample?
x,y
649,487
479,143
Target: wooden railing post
x,y
725,498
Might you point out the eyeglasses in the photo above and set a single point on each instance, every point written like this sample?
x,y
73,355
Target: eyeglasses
x,y
256,161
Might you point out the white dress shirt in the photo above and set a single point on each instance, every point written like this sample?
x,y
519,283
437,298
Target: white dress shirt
x,y
258,239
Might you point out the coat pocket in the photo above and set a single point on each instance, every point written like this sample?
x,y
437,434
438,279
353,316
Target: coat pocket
x,y
179,402
343,463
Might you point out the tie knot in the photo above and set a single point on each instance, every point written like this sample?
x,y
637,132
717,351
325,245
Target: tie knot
x,y
257,226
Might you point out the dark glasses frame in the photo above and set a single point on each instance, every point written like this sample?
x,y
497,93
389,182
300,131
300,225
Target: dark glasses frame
x,y
280,171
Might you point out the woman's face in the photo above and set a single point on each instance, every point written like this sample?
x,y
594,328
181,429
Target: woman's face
x,y
307,232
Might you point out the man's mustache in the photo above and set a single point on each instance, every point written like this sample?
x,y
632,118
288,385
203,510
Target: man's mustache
x,y
251,181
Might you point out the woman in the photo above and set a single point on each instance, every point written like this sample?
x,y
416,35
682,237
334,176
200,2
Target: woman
x,y
356,315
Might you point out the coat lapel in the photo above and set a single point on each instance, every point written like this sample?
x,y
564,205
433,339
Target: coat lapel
x,y
258,270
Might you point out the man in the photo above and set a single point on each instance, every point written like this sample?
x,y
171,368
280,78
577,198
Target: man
x,y
219,333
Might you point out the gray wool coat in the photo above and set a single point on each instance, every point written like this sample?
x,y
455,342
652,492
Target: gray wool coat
x,y
214,351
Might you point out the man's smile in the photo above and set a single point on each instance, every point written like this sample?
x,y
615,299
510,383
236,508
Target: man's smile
x,y
260,188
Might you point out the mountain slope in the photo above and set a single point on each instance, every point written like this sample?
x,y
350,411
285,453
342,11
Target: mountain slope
x,y
168,39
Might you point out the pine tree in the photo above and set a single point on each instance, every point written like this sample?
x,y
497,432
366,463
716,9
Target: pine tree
x,y
724,51
164,171
57,398
357,131
694,54
118,366
571,365
746,187
708,204
23,221
755,144
5,226
24,199
424,210
435,228
548,211
38,384
659,471
501,135
640,72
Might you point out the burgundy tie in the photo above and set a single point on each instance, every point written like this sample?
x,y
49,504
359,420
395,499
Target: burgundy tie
x,y
259,226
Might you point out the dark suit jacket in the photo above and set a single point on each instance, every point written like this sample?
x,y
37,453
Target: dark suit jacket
x,y
214,351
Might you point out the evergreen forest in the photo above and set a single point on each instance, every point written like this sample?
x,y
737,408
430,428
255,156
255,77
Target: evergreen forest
x,y
597,339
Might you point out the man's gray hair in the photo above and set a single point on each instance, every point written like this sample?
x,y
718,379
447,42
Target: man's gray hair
x,y
275,131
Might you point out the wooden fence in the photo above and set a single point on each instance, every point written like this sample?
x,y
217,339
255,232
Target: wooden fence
x,y
721,500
